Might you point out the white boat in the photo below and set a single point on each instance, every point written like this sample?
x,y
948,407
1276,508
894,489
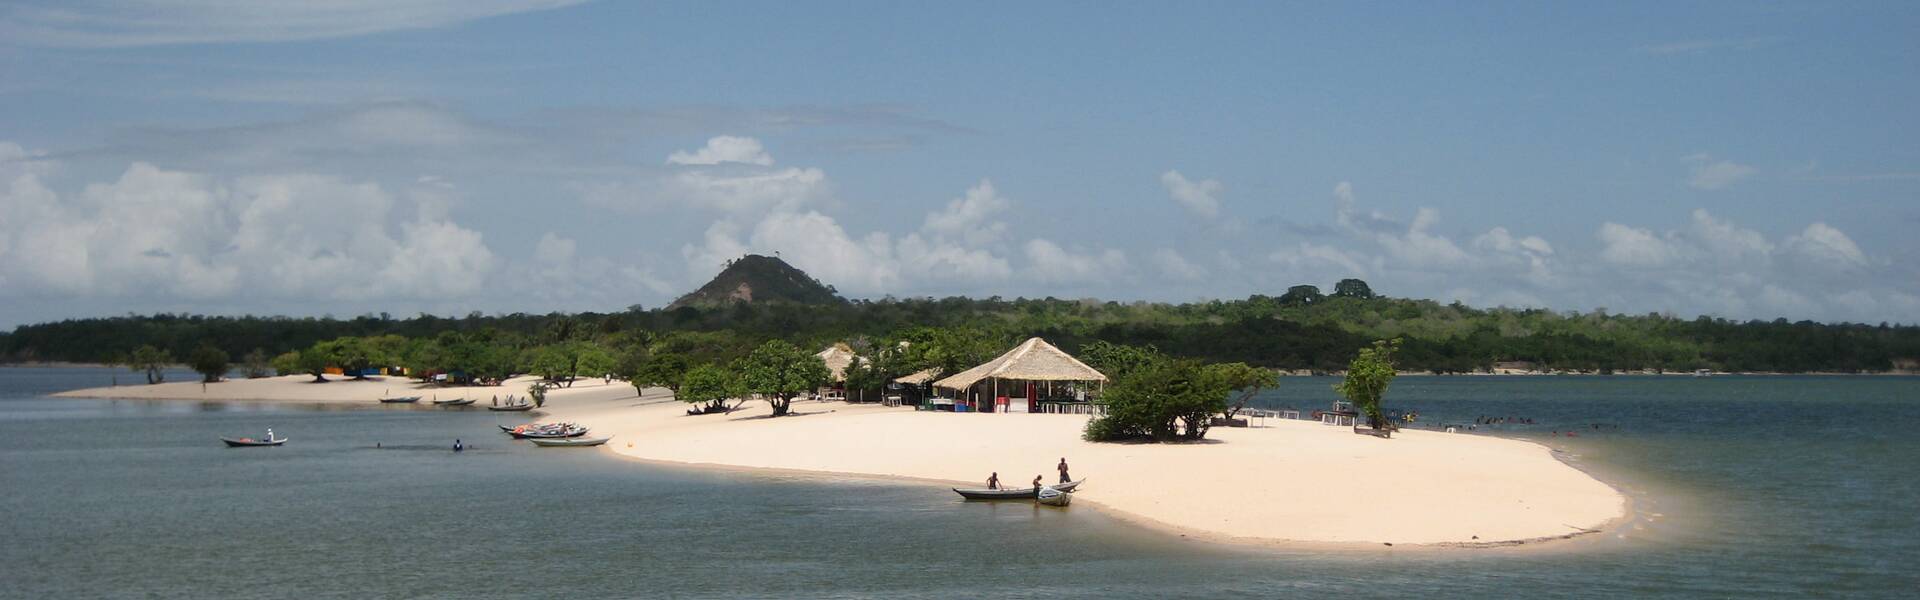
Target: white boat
x,y
1052,496
555,442
1702,373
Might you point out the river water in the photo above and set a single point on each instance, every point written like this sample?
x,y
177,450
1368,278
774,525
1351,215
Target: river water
x,y
1743,487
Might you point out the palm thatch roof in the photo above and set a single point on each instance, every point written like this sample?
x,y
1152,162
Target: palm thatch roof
x,y
918,377
1034,360
838,357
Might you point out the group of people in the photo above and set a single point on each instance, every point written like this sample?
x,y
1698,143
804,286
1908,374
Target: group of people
x,y
993,480
1486,420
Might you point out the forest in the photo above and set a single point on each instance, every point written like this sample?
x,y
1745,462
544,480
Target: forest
x,y
1299,330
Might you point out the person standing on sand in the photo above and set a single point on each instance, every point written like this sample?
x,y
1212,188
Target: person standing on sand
x,y
993,481
1063,470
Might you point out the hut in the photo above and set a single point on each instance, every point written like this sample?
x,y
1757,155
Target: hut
x,y
1031,372
838,357
914,388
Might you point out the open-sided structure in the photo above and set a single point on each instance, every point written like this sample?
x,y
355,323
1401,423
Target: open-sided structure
x,y
1034,372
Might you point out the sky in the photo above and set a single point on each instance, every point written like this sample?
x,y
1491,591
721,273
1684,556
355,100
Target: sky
x,y
1744,160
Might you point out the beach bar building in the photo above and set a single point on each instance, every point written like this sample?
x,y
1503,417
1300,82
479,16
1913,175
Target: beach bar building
x,y
838,357
1033,377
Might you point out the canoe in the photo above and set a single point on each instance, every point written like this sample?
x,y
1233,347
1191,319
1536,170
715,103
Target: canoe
x,y
513,408
400,400
552,443
459,402
250,442
1051,496
535,435
1022,493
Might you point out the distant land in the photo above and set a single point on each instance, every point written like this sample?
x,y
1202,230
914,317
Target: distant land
x,y
756,298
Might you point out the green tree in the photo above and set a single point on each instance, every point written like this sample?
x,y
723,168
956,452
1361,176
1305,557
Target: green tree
x,y
1352,288
538,392
288,363
863,376
210,362
1367,379
255,364
712,386
1301,295
778,371
667,370
315,360
150,360
1118,360
1243,378
565,361
1163,400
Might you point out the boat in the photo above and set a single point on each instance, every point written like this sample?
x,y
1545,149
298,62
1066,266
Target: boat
x,y
250,442
400,400
544,431
512,407
1052,496
552,443
1024,493
457,402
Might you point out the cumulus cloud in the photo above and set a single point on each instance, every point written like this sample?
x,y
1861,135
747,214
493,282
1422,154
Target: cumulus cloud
x,y
154,232
1176,267
1709,174
1049,262
1197,196
724,149
970,217
106,24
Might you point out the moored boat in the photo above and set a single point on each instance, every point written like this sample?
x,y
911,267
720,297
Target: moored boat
x,y
1052,496
1023,493
454,402
512,408
400,400
566,442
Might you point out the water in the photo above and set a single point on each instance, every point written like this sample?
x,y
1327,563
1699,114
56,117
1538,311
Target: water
x,y
1744,486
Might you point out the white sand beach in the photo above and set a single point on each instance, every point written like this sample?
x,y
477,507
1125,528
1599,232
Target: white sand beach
x,y
1290,481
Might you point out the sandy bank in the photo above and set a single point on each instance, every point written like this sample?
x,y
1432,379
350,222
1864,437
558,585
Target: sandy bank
x,y
1292,481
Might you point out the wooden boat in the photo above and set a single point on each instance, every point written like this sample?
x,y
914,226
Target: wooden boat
x,y
512,408
400,400
1021,493
250,442
563,442
539,435
456,402
1052,496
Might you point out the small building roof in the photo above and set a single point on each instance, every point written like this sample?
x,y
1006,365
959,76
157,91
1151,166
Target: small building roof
x,y
918,377
1034,359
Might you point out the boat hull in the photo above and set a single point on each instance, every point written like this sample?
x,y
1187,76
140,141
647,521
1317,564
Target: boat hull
x,y
245,443
517,408
566,443
1011,494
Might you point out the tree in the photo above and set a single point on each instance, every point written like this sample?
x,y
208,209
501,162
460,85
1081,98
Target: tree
x,y
863,376
315,360
1118,360
353,355
1301,295
150,360
210,362
538,392
255,364
1367,379
713,386
1163,400
779,371
1352,288
1246,379
288,363
667,370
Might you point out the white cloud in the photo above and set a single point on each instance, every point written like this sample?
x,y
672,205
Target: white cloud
x,y
1177,267
969,217
106,24
1048,262
1631,246
1196,196
724,149
1709,174
750,192
554,250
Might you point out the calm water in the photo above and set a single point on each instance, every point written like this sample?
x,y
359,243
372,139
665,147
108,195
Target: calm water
x,y
1744,486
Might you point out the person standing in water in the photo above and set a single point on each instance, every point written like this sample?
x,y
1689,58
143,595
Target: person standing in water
x,y
1063,470
457,446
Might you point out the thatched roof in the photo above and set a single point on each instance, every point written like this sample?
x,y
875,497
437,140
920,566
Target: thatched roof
x,y
1034,359
918,377
838,357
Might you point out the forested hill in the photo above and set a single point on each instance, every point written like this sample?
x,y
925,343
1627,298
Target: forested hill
x,y
759,279
1294,331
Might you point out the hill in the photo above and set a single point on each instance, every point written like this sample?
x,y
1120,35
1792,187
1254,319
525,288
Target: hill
x,y
756,279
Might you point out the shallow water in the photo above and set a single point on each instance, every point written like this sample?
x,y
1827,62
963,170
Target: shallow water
x,y
1744,486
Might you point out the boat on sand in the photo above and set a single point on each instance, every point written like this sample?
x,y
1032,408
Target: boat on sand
x,y
512,407
454,402
1052,496
400,400
1024,493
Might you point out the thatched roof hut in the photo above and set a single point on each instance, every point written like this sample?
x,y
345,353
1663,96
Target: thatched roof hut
x,y
919,377
838,357
1032,360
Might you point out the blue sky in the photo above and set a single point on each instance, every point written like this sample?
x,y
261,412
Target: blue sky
x,y
1744,160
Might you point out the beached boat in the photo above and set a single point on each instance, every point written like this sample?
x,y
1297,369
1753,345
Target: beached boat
x,y
400,400
545,443
1052,496
512,407
250,442
1023,493
455,402
544,431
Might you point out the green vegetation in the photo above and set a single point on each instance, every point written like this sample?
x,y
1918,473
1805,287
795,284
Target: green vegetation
x,y
150,360
1161,398
255,364
760,279
210,362
778,371
1367,378
711,386
955,333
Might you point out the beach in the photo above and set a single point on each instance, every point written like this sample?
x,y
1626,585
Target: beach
x,y
1288,481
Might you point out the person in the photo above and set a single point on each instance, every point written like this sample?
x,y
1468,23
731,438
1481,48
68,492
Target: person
x,y
1063,470
993,481
457,446
1036,483
496,399
269,434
